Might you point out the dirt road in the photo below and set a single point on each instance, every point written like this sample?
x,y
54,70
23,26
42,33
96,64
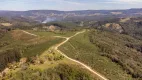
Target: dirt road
x,y
87,67
67,39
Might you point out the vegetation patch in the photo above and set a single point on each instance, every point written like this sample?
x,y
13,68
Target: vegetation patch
x,y
83,48
114,47
60,72
55,33
16,44
49,66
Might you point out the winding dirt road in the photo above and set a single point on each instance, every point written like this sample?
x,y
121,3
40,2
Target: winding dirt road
x,y
67,39
87,67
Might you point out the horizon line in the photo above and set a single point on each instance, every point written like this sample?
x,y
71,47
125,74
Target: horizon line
x,y
69,10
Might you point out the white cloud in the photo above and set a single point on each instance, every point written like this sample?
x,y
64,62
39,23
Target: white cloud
x,y
67,2
124,1
129,0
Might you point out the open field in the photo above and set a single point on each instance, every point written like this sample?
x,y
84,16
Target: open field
x,y
30,45
51,34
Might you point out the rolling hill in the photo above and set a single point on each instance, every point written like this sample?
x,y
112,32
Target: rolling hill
x,y
111,44
107,53
54,15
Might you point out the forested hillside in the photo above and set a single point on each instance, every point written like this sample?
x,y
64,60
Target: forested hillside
x,y
108,53
114,46
129,26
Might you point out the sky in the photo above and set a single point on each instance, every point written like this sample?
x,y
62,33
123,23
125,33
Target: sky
x,y
68,5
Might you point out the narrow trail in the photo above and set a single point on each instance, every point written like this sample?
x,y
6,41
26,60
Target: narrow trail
x,y
87,67
29,33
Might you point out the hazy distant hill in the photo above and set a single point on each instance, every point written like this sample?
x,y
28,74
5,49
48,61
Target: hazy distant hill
x,y
41,15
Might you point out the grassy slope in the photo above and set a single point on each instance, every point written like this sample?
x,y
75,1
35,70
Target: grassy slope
x,y
30,45
40,48
51,34
53,68
82,49
50,40
16,44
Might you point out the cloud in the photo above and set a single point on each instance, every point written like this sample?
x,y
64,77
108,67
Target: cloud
x,y
124,1
67,2
129,0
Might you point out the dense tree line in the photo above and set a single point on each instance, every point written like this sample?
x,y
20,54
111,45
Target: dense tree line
x,y
133,28
118,48
8,56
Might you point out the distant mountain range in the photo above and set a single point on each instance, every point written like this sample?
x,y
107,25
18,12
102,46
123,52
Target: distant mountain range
x,y
53,15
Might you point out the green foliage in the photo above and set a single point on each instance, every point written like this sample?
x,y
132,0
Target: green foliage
x,y
53,56
59,26
114,47
8,56
133,28
60,72
38,49
91,48
55,33
11,49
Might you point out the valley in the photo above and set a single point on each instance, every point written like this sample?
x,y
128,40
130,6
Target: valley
x,y
71,45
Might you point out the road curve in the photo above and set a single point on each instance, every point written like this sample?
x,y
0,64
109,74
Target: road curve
x,y
67,39
87,67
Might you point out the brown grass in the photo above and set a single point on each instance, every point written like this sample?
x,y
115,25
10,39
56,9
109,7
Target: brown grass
x,y
116,13
6,24
124,20
19,35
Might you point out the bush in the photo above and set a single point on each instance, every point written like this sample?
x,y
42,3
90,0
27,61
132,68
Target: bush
x,y
60,72
8,56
